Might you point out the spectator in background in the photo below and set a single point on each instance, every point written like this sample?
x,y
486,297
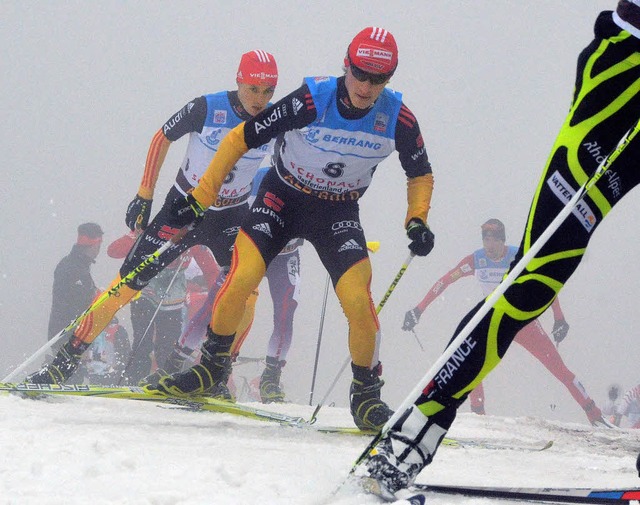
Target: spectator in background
x,y
73,286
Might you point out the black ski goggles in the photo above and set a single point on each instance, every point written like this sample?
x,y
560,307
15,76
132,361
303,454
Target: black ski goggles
x,y
362,76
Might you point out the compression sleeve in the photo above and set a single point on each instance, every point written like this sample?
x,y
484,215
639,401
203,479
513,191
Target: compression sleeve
x,y
155,158
230,151
189,119
419,190
415,162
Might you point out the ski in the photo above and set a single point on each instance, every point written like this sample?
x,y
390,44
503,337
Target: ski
x,y
196,403
205,404
469,443
418,494
449,442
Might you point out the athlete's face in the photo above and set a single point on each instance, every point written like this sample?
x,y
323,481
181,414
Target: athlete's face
x,y
362,93
254,98
493,247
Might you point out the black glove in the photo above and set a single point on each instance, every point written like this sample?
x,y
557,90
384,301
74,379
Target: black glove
x,y
185,211
138,213
560,330
411,318
421,236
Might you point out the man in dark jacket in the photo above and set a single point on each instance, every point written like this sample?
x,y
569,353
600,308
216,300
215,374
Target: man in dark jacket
x,y
73,286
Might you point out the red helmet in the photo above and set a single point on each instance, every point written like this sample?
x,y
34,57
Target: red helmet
x,y
373,50
257,67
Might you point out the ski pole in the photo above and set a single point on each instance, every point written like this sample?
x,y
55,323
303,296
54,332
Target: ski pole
x,y
134,352
393,285
491,300
113,291
315,364
371,247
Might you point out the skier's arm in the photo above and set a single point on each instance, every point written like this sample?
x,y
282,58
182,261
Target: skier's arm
x,y
415,162
463,269
188,119
282,116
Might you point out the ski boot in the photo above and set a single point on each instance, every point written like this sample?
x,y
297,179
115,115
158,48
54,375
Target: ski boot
x,y
214,370
368,410
270,390
594,414
478,409
153,378
63,366
172,364
220,391
397,459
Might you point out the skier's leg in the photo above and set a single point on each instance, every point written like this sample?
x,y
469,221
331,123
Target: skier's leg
x,y
605,105
157,233
142,310
247,270
535,340
283,276
476,399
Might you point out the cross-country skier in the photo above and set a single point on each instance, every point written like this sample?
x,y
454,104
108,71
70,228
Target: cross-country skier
x,y
606,103
207,119
488,265
283,276
332,133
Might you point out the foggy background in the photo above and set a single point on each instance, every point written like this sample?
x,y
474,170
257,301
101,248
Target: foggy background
x,y
85,85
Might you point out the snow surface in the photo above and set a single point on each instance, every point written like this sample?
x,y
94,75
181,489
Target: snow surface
x,y
108,451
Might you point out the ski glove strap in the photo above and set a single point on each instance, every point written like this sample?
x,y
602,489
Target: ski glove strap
x,y
138,213
411,318
422,238
185,211
560,330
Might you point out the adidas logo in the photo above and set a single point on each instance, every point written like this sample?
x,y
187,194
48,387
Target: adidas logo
x,y
264,228
350,245
297,105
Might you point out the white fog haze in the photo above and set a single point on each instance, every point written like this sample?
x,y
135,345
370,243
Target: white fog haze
x,y
85,85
